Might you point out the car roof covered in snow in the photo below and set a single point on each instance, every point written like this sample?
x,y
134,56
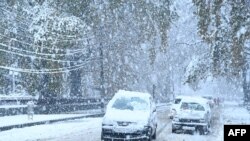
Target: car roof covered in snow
x,y
182,96
129,94
196,99
207,96
124,93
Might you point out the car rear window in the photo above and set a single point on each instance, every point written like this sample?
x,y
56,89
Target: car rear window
x,y
132,103
192,106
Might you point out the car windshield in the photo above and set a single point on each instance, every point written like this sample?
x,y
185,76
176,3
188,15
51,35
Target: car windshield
x,y
192,106
132,103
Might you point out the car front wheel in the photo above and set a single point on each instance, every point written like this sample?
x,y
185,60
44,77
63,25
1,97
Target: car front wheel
x,y
149,138
154,136
173,129
203,130
149,135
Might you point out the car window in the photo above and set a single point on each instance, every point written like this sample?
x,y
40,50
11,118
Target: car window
x,y
192,106
200,108
133,103
208,97
184,106
177,101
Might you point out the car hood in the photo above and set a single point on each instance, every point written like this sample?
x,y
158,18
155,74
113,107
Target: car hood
x,y
191,114
126,116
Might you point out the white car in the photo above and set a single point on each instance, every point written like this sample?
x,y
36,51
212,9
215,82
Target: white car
x,y
194,115
175,106
129,116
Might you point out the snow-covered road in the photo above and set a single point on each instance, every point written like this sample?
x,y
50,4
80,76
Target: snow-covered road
x,y
89,129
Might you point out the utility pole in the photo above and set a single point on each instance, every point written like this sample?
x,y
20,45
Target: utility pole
x,y
14,74
154,91
101,41
13,82
246,85
102,90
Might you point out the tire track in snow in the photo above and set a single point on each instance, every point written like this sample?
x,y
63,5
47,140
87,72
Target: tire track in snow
x,y
164,120
162,128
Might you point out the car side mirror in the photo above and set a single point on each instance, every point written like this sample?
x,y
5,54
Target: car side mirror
x,y
154,110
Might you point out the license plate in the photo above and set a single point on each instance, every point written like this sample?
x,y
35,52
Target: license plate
x,y
119,130
188,128
127,137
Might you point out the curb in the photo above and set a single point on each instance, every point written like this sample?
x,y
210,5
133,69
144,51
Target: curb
x,y
4,128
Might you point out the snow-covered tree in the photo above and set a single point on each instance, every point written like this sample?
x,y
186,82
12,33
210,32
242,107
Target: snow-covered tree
x,y
225,26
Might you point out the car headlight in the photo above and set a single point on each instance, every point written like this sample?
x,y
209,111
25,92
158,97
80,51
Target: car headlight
x,y
202,120
107,124
144,123
147,130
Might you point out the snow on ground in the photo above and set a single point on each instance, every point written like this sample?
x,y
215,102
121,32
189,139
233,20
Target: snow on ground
x,y
81,129
12,106
235,113
20,119
89,129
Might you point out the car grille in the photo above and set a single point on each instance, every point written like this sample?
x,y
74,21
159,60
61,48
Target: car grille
x,y
190,120
122,136
123,123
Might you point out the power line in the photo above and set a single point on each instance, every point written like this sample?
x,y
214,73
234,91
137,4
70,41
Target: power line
x,y
57,40
68,53
58,70
39,71
31,52
56,49
37,57
42,46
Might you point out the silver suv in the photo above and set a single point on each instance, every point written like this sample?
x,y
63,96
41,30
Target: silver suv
x,y
194,115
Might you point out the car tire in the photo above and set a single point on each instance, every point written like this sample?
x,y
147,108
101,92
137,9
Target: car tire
x,y
209,124
149,138
102,136
154,135
204,130
173,130
103,139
